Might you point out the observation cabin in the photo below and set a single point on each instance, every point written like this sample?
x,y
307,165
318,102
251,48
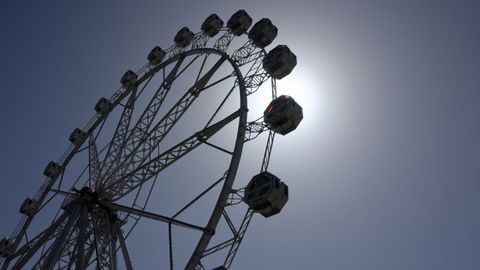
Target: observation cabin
x,y
77,136
283,115
279,62
212,25
266,194
103,106
28,207
239,22
129,79
183,37
52,170
6,247
263,33
156,56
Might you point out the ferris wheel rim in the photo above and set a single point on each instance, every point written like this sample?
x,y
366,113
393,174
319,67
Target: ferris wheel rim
x,y
174,54
234,162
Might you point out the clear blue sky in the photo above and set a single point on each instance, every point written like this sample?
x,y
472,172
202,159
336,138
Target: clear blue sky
x,y
384,171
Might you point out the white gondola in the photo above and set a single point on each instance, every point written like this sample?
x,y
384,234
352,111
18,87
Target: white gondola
x,y
129,79
6,248
266,194
103,106
212,25
279,62
77,136
28,206
52,170
263,33
156,55
183,37
239,22
283,115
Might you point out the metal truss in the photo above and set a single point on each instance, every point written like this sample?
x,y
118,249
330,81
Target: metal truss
x,y
140,128
256,76
149,140
224,41
254,129
88,231
239,232
137,177
94,163
115,146
247,53
200,40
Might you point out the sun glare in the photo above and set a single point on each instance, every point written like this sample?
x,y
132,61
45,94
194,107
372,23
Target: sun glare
x,y
305,90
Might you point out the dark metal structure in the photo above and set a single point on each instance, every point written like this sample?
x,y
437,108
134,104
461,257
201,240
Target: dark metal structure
x,y
100,209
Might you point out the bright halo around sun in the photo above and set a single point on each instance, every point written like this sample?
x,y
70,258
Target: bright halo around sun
x,y
304,88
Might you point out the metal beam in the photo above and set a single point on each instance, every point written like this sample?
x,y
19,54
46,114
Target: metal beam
x,y
238,240
115,146
81,238
123,247
60,241
153,216
150,141
29,249
145,121
268,151
142,174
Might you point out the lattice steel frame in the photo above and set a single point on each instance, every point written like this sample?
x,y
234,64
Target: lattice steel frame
x,y
92,219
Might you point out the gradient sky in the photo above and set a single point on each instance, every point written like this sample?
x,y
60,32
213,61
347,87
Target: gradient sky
x,y
383,171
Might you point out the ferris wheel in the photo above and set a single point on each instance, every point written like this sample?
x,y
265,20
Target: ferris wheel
x,y
185,110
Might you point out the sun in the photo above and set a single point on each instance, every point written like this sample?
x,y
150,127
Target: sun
x,y
302,86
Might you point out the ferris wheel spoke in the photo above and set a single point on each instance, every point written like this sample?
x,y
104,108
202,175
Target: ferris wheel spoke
x,y
170,237
144,122
216,82
169,120
94,163
201,67
123,247
148,142
90,250
30,248
60,232
105,240
62,243
143,173
217,147
154,216
115,145
81,240
221,105
200,195
65,258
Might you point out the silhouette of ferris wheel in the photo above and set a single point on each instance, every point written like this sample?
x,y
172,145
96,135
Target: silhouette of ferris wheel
x,y
94,196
